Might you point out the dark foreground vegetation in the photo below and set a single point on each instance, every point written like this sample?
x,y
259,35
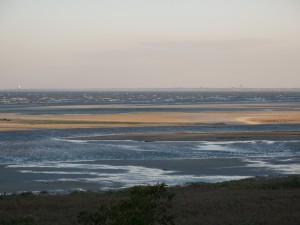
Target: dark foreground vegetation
x,y
244,202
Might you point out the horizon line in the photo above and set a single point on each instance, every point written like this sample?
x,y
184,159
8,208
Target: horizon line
x,y
147,89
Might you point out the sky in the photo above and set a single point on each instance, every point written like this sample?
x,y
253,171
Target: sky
x,y
64,44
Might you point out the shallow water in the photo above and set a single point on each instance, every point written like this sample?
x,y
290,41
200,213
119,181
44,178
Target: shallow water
x,y
47,161
49,145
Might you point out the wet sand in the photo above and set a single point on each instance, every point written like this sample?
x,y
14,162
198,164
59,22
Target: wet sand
x,y
217,136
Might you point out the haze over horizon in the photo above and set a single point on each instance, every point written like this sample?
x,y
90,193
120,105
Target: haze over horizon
x,y
76,44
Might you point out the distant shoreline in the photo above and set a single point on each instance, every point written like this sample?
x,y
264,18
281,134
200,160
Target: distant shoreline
x,y
203,89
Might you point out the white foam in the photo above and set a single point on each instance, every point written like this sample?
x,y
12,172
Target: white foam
x,y
122,176
129,147
291,168
59,172
75,141
215,147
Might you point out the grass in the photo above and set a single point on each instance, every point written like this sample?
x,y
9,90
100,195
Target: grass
x,y
245,202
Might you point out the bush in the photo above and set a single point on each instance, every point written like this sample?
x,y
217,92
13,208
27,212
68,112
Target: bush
x,y
147,205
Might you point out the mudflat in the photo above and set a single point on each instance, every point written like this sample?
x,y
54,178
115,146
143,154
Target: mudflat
x,y
216,136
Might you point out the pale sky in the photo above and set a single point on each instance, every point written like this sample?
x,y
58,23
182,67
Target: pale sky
x,y
149,43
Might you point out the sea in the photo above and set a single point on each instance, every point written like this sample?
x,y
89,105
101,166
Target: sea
x,y
42,159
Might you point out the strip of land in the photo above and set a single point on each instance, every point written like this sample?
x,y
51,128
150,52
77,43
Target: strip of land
x,y
9,121
217,136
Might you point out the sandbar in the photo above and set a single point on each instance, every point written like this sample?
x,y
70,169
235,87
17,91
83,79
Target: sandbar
x,y
19,121
217,136
10,121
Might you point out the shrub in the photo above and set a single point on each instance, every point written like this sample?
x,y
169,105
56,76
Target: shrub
x,y
147,205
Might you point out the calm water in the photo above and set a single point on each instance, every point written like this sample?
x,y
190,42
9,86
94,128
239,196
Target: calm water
x,y
29,151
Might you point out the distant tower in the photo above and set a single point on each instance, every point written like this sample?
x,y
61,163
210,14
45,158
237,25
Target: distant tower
x,y
19,86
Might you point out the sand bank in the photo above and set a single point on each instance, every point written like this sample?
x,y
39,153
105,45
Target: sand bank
x,y
20,121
